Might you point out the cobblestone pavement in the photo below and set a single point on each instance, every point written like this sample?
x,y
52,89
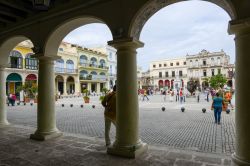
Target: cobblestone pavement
x,y
189,130
72,150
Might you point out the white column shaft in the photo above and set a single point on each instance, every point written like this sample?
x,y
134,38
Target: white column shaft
x,y
242,113
127,99
46,99
3,113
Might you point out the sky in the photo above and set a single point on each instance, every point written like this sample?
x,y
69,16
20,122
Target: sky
x,y
174,31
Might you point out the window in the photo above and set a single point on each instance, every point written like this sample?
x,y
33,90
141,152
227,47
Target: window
x,y
59,67
173,73
102,63
212,61
180,73
83,74
60,49
218,61
204,73
93,62
160,74
16,59
184,63
110,56
159,65
165,64
110,70
30,63
154,66
70,66
204,63
166,74
171,64
177,63
196,62
212,71
219,71
83,59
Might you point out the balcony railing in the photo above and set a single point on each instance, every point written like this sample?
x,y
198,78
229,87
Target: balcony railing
x,y
184,75
65,70
94,65
94,77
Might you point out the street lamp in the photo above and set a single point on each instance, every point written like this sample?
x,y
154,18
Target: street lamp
x,y
41,4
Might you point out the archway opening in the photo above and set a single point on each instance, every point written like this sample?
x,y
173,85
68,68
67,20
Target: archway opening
x,y
185,48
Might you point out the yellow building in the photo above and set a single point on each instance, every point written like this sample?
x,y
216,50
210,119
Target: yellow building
x,y
77,69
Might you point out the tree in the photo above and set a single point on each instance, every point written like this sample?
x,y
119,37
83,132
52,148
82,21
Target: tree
x,y
192,85
217,81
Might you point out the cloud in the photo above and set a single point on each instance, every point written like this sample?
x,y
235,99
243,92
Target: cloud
x,y
182,28
174,31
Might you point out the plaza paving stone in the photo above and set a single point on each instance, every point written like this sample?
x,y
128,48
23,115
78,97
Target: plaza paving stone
x,y
190,130
79,150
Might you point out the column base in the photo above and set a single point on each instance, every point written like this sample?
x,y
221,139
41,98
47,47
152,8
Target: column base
x,y
43,136
238,161
4,123
132,151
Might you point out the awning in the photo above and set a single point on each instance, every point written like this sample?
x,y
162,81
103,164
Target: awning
x,y
14,77
31,77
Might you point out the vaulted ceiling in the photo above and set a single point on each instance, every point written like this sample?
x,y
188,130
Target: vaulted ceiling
x,y
13,11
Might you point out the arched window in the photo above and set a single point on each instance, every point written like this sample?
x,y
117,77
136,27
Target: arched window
x,y
59,65
93,62
70,66
218,61
31,63
212,61
16,59
102,63
83,59
83,75
93,73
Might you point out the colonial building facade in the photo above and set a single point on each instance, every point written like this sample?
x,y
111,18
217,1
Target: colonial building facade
x,y
166,73
79,68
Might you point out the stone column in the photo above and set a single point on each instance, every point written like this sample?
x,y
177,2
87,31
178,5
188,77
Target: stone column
x,y
46,117
98,88
64,86
127,143
241,29
3,112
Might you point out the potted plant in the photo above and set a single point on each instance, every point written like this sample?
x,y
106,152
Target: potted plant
x,y
86,97
104,92
30,91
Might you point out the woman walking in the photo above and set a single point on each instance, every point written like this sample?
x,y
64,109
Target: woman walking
x,y
217,107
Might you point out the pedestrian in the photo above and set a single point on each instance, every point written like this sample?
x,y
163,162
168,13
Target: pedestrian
x,y
171,96
109,103
177,95
145,95
181,95
217,105
228,97
13,97
207,95
197,94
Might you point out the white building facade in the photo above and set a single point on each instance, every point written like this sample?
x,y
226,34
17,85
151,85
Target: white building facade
x,y
201,66
112,62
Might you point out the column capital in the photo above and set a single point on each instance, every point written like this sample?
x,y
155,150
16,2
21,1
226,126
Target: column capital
x,y
2,67
241,26
46,58
126,42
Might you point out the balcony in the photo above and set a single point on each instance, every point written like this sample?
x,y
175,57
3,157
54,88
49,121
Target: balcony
x,y
94,77
91,65
170,77
65,70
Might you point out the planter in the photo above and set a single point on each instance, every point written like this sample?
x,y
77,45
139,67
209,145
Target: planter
x,y
86,100
26,100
